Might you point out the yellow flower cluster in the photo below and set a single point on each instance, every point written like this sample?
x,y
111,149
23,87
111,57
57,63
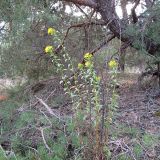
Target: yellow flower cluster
x,y
88,64
88,56
113,64
51,31
49,49
88,61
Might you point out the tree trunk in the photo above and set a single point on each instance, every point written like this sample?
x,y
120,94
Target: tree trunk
x,y
158,66
124,9
121,63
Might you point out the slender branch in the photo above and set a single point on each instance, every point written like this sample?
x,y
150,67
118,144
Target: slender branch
x,y
102,44
59,48
133,12
89,3
78,6
3,27
44,140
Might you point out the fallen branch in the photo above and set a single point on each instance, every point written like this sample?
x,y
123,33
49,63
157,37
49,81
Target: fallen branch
x,y
44,140
48,109
3,152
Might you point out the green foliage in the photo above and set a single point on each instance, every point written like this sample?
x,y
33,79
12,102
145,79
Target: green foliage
x,y
123,157
18,54
150,140
24,38
138,150
2,155
130,131
25,119
148,29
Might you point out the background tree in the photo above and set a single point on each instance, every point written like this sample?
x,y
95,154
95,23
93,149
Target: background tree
x,y
24,24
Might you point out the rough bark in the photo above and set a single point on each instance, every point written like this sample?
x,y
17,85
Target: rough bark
x,y
122,53
124,9
149,3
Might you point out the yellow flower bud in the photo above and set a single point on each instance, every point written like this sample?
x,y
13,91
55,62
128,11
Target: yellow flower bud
x,y
80,66
88,64
110,120
88,56
98,78
112,64
51,31
49,49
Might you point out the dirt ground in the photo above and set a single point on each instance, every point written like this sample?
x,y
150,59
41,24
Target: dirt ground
x,y
139,108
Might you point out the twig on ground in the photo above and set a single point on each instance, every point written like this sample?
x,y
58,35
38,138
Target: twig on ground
x,y
50,94
44,141
46,117
48,109
3,152
129,150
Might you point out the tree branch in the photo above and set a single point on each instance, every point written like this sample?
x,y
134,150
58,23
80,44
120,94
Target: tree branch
x,y
79,25
89,3
133,12
82,10
117,26
102,44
